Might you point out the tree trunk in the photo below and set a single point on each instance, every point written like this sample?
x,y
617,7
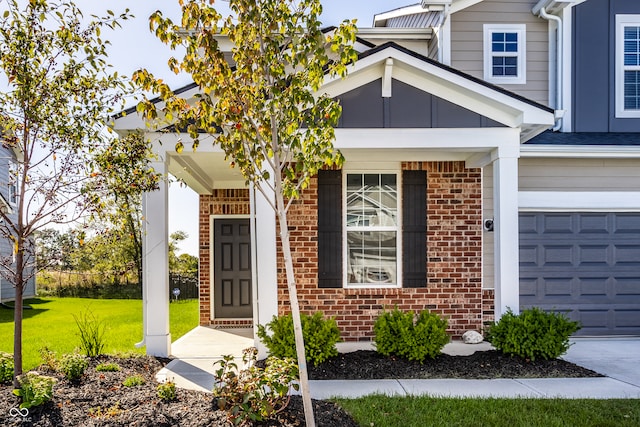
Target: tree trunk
x,y
17,317
295,311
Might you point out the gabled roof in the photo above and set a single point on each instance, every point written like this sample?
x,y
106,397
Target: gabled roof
x,y
390,60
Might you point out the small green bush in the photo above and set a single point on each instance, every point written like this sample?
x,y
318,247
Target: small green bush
x,y
108,367
166,391
408,336
253,394
532,334
73,365
6,368
35,389
133,381
320,337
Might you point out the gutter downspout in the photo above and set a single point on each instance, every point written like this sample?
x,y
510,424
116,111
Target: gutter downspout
x,y
559,113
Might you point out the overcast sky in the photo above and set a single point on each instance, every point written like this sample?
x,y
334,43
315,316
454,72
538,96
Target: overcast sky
x,y
134,47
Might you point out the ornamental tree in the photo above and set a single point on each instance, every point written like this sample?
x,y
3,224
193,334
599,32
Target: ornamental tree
x,y
262,107
58,92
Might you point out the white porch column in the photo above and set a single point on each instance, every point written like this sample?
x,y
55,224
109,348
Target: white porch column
x,y
265,272
155,260
506,242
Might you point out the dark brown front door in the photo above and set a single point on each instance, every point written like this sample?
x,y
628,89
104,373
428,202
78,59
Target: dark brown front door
x,y
232,269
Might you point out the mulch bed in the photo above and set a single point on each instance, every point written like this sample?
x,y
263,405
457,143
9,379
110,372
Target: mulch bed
x,y
100,399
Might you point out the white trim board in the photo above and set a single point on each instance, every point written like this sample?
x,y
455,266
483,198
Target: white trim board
x,y
579,201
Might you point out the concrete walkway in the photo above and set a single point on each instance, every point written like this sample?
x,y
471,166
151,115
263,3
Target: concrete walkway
x,y
617,358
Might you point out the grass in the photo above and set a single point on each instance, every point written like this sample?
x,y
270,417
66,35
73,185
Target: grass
x,y
50,323
384,411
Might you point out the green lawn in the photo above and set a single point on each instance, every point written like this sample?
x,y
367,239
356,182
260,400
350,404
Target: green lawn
x,y
50,323
383,411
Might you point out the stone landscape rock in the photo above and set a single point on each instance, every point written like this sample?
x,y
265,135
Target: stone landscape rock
x,y
472,337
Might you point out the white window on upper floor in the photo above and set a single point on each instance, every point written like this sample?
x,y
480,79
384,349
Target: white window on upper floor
x,y
505,53
627,66
13,184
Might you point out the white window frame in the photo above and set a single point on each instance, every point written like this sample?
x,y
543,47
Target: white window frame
x,y
397,229
521,54
13,184
623,21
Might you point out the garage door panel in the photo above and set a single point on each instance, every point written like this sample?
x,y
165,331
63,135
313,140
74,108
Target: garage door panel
x,y
627,254
629,287
584,264
528,224
558,223
594,287
594,255
528,256
558,256
594,224
627,223
627,321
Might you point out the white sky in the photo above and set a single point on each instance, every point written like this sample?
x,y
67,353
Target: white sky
x,y
134,47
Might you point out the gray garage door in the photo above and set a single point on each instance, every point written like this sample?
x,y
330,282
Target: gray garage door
x,y
586,265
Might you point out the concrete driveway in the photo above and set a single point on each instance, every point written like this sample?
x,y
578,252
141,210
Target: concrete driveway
x,y
615,357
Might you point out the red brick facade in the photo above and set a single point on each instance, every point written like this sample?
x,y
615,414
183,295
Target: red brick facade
x,y
454,257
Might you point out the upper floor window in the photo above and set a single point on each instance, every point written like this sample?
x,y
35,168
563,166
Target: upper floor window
x,y
504,53
13,184
627,66
372,228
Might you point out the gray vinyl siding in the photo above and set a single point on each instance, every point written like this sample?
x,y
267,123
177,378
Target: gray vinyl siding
x,y
467,43
539,174
594,81
579,174
7,292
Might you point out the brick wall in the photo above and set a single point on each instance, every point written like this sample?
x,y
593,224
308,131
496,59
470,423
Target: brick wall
x,y
220,202
454,256
454,259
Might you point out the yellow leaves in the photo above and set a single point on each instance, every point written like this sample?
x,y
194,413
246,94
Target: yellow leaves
x,y
179,147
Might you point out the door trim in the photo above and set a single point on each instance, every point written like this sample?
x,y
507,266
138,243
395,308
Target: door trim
x,y
212,218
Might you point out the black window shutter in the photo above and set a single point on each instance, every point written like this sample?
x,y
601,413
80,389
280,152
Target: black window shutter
x,y
414,229
330,229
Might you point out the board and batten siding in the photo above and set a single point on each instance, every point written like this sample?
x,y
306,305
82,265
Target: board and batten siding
x,y
467,43
540,174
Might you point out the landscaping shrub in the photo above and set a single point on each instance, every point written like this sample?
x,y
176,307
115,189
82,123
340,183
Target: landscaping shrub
x,y
532,334
320,337
253,394
133,381
35,389
166,391
413,337
91,332
107,367
73,365
6,367
49,359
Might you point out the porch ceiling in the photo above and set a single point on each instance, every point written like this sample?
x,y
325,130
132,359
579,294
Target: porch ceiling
x,y
206,169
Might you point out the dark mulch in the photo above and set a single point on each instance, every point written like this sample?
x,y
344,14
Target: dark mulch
x,y
100,399
366,365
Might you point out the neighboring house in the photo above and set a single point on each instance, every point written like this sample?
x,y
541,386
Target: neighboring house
x,y
8,201
456,196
